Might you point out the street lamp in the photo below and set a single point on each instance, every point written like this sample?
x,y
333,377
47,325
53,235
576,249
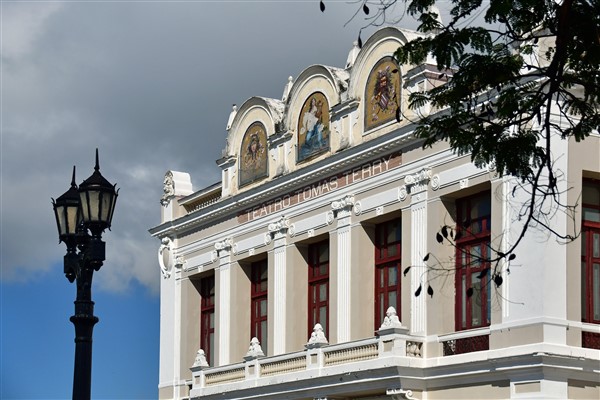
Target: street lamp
x,y
79,212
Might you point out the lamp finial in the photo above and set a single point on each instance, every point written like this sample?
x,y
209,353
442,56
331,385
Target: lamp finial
x,y
73,184
97,167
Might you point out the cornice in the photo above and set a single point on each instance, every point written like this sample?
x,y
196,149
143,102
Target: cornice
x,y
331,165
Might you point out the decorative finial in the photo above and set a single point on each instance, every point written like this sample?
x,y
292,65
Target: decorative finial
x,y
97,167
73,184
352,54
317,337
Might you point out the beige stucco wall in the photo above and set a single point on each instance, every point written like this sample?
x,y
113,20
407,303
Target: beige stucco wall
x,y
495,390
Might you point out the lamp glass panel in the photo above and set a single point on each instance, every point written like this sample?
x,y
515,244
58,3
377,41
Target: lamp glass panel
x,y
84,206
94,204
62,221
72,219
104,206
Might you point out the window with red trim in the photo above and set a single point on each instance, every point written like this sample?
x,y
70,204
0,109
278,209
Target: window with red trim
x,y
388,237
473,295
258,302
590,252
207,316
318,286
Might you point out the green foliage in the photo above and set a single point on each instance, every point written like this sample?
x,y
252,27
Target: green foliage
x,y
533,58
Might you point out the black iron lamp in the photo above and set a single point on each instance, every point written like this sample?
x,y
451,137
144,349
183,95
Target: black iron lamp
x,y
79,210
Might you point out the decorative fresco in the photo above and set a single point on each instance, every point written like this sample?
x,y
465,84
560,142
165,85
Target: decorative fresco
x,y
313,127
382,93
253,154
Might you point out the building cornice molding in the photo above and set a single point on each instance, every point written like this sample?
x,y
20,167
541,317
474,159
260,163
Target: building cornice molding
x,y
329,166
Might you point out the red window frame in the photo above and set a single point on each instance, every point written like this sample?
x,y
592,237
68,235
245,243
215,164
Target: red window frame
x,y
590,259
318,281
259,302
388,240
207,316
473,228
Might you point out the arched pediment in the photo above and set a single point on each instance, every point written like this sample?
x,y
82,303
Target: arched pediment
x,y
330,81
382,43
267,111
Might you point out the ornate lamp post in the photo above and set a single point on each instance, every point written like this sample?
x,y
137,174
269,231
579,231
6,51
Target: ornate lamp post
x,y
79,212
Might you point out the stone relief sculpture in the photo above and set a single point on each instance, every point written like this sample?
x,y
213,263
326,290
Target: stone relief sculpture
x,y
255,350
165,257
168,188
317,337
200,360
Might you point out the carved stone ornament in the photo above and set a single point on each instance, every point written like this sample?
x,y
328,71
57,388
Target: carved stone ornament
x,y
200,360
165,257
391,320
280,226
419,178
358,208
400,394
267,238
317,338
168,189
329,217
224,245
180,261
418,182
413,349
254,351
345,202
231,117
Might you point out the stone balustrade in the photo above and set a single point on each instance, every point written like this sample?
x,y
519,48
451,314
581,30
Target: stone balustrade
x,y
320,360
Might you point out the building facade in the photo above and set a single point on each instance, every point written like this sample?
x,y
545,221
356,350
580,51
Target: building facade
x,y
339,259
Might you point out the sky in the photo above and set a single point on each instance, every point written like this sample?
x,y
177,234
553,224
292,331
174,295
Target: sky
x,y
151,85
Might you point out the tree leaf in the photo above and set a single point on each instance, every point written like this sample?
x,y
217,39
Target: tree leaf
x,y
439,237
483,273
430,290
359,42
498,280
426,257
470,292
445,231
512,257
322,6
406,270
418,291
366,9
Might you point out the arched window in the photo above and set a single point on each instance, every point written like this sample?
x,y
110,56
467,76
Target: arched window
x,y
254,154
382,94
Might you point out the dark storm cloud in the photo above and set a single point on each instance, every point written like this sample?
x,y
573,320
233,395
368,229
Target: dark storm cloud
x,y
151,85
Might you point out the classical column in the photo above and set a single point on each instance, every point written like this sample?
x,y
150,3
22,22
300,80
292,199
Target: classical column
x,y
343,210
224,249
416,186
277,232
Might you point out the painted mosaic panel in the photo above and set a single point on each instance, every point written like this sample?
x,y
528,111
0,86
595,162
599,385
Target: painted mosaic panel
x,y
253,154
313,127
382,93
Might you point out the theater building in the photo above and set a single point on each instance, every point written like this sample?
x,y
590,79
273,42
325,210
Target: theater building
x,y
322,241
